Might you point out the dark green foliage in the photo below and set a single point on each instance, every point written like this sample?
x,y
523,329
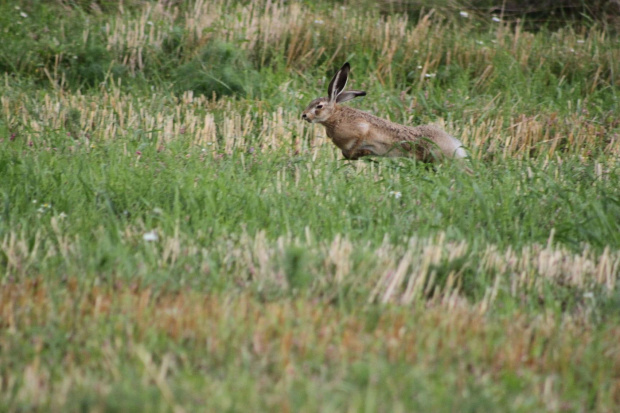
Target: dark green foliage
x,y
219,69
96,7
537,13
89,66
296,268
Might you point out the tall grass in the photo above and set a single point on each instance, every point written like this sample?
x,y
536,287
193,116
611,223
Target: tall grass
x,y
513,93
174,238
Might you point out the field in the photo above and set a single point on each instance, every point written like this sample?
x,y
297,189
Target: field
x,y
174,238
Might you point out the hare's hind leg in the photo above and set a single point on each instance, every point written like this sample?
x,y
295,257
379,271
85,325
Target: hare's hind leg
x,y
355,154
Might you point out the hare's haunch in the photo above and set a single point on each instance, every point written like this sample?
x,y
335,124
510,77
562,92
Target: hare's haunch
x,y
358,133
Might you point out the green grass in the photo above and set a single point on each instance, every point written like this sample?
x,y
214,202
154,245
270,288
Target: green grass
x,y
174,238
512,203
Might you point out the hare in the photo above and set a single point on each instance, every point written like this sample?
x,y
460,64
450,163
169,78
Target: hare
x,y
359,133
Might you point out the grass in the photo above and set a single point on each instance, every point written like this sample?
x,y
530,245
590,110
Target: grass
x,y
174,238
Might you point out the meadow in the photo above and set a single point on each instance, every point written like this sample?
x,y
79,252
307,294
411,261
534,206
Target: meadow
x,y
173,237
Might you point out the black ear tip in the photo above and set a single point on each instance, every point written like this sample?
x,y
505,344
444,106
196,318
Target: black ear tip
x,y
363,93
346,65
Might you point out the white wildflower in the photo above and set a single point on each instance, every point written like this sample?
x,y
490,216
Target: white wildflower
x,y
24,15
496,19
44,208
150,236
396,194
464,14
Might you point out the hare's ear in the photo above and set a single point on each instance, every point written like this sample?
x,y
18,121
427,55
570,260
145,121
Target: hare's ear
x,y
348,95
339,81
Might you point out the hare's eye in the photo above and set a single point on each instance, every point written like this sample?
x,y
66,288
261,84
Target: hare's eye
x,y
319,106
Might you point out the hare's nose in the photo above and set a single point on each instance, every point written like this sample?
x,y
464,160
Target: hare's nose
x,y
304,116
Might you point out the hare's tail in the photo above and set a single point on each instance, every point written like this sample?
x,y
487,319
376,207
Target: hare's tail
x,y
460,153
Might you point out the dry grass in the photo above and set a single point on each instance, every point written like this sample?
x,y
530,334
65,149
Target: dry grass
x,y
393,273
276,338
115,115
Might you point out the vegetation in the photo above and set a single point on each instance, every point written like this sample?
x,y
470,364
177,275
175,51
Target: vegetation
x,y
174,238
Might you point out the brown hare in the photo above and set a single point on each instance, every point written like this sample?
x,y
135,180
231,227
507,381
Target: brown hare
x,y
358,133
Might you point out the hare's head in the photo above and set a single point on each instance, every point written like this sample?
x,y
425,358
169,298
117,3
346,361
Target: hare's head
x,y
321,109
